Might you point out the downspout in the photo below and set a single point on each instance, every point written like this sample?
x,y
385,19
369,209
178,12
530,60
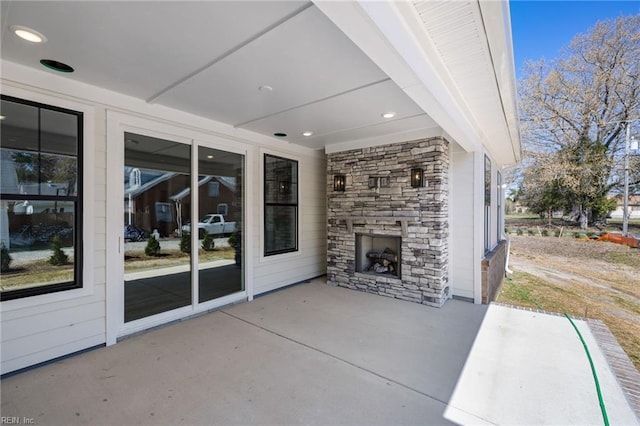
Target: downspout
x,y
506,262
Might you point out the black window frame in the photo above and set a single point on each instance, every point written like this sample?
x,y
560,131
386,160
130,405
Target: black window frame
x,y
280,204
499,205
487,204
78,199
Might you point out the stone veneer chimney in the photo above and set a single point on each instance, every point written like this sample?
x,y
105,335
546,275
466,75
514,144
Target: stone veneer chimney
x,y
392,207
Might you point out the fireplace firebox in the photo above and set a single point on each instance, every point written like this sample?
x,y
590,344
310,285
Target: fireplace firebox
x,y
378,254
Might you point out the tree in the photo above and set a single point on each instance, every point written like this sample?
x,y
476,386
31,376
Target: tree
x,y
185,242
5,258
58,256
31,168
153,247
543,185
208,244
575,109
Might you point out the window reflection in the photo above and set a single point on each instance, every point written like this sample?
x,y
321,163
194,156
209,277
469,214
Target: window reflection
x,y
40,226
157,257
158,204
280,205
220,228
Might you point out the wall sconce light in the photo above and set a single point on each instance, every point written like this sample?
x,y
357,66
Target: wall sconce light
x,y
417,178
339,183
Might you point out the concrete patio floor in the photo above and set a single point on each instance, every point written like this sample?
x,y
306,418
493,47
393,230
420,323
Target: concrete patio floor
x,y
316,354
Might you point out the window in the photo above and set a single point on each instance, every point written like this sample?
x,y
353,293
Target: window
x,y
500,227
223,209
41,198
214,189
280,205
487,204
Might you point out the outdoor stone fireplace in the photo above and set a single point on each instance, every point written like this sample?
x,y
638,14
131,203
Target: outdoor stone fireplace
x,y
380,221
378,254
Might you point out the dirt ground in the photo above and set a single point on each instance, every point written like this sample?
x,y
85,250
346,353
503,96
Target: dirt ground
x,y
599,263
584,278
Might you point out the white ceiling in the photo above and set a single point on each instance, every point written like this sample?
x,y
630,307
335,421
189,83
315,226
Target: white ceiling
x,y
209,59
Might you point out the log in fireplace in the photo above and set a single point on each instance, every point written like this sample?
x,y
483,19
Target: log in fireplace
x,y
378,254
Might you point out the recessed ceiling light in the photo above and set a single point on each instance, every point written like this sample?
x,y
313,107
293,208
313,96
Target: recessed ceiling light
x,y
307,133
209,157
28,34
56,66
280,135
389,114
2,117
265,89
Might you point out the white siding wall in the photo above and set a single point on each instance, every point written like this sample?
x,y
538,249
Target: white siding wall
x,y
272,272
41,328
461,269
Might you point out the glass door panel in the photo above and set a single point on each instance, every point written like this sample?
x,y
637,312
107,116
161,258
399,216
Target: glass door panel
x,y
220,208
157,259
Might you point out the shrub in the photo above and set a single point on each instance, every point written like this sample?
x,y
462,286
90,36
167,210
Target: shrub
x,y
5,258
519,231
531,232
58,257
556,233
207,243
545,232
232,240
153,246
590,234
185,242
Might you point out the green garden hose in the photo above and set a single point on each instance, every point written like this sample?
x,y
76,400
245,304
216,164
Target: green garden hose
x,y
593,371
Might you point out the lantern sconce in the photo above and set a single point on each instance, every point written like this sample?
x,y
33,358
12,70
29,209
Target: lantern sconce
x,y
417,178
339,183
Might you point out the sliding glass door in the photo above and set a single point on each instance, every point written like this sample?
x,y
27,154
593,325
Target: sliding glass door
x,y
164,240
220,179
157,273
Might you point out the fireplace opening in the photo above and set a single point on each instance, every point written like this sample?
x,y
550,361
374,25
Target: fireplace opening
x,y
378,254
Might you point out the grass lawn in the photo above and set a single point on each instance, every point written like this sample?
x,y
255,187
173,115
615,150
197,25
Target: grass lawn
x,y
40,272
527,220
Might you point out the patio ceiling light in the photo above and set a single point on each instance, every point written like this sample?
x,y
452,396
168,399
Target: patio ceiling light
x,y
307,133
28,34
389,114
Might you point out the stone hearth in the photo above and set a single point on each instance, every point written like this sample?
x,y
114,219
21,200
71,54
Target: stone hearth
x,y
379,202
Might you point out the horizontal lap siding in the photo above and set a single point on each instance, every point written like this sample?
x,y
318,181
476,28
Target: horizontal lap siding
x,y
62,324
57,342
310,260
40,332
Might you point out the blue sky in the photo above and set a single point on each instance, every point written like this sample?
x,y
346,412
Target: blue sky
x,y
541,28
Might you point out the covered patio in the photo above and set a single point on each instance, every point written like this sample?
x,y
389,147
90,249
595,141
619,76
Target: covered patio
x,y
317,354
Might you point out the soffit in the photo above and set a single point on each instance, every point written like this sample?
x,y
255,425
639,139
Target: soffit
x,y
456,30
